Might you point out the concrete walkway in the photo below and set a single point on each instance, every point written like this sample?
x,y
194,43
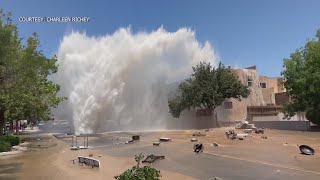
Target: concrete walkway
x,y
10,153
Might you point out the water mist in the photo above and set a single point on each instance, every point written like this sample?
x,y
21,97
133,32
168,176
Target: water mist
x,y
120,81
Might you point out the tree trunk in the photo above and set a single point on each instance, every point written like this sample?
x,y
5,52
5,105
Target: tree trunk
x,y
11,127
1,126
215,117
5,128
2,121
17,129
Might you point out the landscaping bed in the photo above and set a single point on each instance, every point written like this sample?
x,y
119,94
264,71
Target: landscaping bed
x,y
6,142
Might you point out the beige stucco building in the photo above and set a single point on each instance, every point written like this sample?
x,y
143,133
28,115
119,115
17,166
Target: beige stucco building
x,y
270,87
263,90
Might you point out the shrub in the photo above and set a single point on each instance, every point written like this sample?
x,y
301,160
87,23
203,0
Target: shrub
x,y
313,116
4,146
12,140
139,173
144,173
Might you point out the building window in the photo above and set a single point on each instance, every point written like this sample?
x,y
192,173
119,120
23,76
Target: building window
x,y
263,85
250,81
228,105
203,112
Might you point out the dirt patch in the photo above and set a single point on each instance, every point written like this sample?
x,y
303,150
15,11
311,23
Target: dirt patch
x,y
35,142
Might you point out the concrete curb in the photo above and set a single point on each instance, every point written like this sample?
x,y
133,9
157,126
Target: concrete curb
x,y
10,153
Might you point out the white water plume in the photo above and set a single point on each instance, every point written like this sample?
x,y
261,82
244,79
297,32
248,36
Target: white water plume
x,y
256,96
120,81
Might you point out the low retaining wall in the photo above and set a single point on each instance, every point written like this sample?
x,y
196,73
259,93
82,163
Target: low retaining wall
x,y
190,121
284,125
228,124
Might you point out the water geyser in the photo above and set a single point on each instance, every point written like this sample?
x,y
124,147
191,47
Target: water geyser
x,y
120,81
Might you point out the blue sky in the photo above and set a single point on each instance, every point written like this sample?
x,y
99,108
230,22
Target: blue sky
x,y
244,32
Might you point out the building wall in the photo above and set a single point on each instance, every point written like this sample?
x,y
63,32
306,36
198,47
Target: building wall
x,y
237,113
190,120
268,95
258,96
272,83
284,125
300,116
281,98
239,108
281,87
275,83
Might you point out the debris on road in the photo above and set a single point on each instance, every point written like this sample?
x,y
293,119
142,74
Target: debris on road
x,y
264,137
247,131
198,147
151,158
241,136
129,142
244,135
259,130
231,134
164,139
156,143
74,148
307,150
194,140
198,134
215,144
245,125
135,137
126,142
87,161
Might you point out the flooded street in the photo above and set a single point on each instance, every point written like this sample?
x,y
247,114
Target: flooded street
x,y
277,157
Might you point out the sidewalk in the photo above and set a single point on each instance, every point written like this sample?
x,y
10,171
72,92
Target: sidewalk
x,y
29,130
10,153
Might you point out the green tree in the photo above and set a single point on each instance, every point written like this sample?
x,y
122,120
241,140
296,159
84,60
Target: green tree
x,y
207,88
10,49
33,94
302,74
26,92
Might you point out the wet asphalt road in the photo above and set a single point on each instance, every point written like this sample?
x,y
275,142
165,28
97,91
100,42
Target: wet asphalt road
x,y
205,166
7,169
180,158
212,163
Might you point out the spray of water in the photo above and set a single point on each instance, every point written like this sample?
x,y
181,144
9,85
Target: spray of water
x,y
256,96
120,81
